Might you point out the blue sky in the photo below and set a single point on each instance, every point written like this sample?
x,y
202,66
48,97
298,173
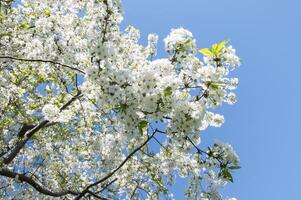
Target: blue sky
x,y
263,126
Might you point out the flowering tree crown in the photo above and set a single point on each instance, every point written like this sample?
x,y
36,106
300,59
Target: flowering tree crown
x,y
86,111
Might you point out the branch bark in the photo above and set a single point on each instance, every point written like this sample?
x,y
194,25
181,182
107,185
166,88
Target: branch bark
x,y
37,186
14,152
41,60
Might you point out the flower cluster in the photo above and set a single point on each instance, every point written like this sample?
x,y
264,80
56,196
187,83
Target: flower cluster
x,y
178,37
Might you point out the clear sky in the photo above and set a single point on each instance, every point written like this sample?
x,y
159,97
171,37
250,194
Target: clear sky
x,y
264,125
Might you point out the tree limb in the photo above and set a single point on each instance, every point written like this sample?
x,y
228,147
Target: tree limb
x,y
85,191
14,152
41,60
37,186
104,187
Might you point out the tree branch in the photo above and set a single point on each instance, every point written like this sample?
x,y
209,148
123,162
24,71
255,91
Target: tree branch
x,y
200,151
85,191
37,186
106,186
41,60
14,152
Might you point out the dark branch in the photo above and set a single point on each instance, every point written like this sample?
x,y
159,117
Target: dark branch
x,y
41,60
160,143
14,152
24,129
85,191
200,151
78,95
106,186
106,21
37,186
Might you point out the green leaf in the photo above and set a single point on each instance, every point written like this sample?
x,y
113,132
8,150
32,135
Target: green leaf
x,y
217,48
47,12
24,24
131,146
234,167
188,43
5,122
123,107
221,45
226,175
5,34
214,48
143,124
206,51
214,86
168,91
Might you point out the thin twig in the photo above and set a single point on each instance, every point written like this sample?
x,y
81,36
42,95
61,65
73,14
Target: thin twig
x,y
85,191
41,60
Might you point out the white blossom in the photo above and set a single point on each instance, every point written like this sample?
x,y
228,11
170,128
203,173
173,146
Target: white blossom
x,y
231,98
177,36
152,43
231,59
50,111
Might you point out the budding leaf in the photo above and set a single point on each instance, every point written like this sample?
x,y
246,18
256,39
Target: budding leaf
x,y
234,167
217,48
168,91
24,24
214,86
143,124
9,34
226,175
47,12
131,146
221,45
206,51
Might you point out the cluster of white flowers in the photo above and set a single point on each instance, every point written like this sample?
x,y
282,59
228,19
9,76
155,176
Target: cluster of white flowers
x,y
152,43
176,37
50,112
103,95
212,119
231,59
226,153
